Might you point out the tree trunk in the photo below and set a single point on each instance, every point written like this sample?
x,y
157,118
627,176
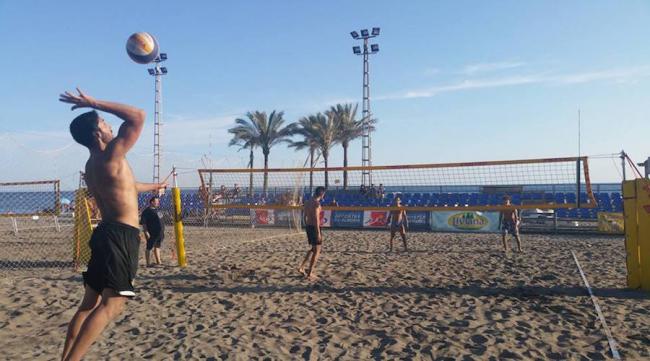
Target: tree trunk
x,y
345,165
250,184
325,155
266,173
311,170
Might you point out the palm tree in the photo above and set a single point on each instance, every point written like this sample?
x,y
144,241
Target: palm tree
x,y
306,129
245,138
266,131
349,129
321,129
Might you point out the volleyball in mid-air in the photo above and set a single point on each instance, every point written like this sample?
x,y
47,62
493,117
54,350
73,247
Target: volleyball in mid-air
x,y
142,48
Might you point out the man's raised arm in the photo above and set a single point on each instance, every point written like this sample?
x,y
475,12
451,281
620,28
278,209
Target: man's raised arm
x,y
129,130
150,187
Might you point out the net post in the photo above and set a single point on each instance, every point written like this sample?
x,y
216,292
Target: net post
x,y
643,230
578,182
178,222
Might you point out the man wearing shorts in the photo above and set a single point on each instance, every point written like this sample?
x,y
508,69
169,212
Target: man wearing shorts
x,y
398,222
509,220
312,210
115,242
154,230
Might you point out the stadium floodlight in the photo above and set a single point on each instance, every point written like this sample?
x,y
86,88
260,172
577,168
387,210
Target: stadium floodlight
x,y
366,50
157,72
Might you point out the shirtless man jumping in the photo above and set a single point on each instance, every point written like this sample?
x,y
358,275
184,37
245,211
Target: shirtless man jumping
x,y
314,237
116,240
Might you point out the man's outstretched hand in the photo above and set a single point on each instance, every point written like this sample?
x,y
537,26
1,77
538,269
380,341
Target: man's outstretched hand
x,y
80,101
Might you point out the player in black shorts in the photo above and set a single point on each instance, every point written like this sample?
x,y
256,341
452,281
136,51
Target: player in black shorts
x,y
314,237
509,221
154,230
115,242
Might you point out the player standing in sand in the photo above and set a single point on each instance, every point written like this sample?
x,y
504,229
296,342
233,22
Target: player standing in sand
x,y
398,222
509,220
314,236
115,242
154,230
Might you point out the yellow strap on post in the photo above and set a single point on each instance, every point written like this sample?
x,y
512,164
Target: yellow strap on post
x,y
631,235
178,227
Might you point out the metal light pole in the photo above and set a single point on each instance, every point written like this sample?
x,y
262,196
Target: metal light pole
x,y
366,150
157,72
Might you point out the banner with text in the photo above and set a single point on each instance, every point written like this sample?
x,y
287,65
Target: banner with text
x,y
375,219
262,217
347,219
465,221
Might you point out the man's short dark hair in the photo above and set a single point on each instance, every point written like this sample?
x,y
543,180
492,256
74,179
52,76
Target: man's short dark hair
x,y
506,198
153,199
83,128
319,191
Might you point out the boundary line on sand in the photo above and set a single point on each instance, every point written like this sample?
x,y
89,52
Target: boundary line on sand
x,y
272,237
594,300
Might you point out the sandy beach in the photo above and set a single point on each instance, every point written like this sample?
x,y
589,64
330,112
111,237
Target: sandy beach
x,y
452,296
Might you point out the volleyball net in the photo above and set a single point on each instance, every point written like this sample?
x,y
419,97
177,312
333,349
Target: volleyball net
x,y
275,196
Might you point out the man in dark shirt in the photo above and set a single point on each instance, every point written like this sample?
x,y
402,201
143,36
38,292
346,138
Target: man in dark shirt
x,y
154,229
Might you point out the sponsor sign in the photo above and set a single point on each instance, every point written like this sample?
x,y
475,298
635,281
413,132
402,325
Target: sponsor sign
x,y
418,219
262,216
465,221
347,219
283,217
375,219
326,218
611,222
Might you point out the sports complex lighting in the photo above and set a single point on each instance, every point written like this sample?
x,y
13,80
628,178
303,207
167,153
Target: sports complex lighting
x,y
366,153
157,72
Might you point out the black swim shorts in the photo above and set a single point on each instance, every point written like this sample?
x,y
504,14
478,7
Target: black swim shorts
x,y
155,240
312,235
113,262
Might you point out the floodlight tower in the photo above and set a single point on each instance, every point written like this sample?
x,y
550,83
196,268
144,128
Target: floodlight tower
x,y
157,72
366,150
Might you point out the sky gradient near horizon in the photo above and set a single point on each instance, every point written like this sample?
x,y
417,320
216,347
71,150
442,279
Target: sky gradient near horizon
x,y
453,81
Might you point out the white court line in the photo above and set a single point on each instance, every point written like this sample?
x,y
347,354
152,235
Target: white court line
x,y
272,237
610,339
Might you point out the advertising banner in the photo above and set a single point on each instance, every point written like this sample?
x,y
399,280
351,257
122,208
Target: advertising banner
x,y
347,219
284,217
262,217
611,222
326,218
460,221
375,219
418,220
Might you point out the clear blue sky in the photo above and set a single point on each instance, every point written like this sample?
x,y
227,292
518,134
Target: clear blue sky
x,y
453,81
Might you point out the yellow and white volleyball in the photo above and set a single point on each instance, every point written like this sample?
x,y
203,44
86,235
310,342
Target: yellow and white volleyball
x,y
142,48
